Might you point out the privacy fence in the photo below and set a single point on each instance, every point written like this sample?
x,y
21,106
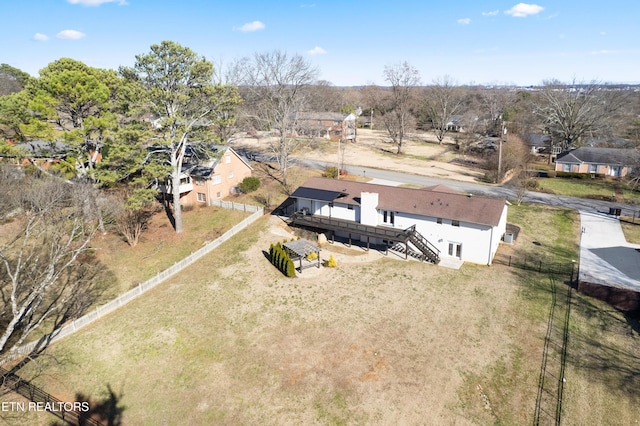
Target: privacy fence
x,y
141,288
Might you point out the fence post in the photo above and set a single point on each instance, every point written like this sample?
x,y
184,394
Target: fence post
x,y
509,260
540,267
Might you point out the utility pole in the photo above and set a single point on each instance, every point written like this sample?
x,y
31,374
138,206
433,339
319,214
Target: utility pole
x,y
503,133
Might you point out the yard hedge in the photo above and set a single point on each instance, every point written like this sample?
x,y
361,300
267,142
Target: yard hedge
x,y
281,260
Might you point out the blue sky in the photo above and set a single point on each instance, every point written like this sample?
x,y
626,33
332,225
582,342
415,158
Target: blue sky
x,y
472,41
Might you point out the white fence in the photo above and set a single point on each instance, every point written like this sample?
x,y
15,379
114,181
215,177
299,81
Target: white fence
x,y
145,286
230,205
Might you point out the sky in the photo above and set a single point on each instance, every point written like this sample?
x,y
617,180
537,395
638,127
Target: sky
x,y
350,42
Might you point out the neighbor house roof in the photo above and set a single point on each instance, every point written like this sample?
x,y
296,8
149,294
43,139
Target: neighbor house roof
x,y
436,201
332,116
587,154
537,139
40,148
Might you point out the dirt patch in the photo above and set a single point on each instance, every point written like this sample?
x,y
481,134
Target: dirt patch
x,y
422,155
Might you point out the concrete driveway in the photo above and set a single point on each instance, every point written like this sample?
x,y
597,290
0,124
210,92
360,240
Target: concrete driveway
x,y
606,258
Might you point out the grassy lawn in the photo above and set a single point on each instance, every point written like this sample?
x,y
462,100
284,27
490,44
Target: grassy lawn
x,y
585,188
376,340
159,246
631,231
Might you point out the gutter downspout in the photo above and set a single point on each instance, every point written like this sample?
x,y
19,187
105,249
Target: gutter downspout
x,y
490,247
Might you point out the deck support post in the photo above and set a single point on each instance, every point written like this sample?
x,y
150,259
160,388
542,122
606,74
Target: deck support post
x,y
349,239
406,250
367,243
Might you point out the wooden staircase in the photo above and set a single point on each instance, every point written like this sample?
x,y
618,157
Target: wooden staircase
x,y
425,250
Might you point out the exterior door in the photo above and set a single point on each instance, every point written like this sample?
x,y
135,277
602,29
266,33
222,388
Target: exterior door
x,y
455,250
615,170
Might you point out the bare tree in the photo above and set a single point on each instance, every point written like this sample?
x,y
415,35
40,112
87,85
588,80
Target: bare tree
x,y
571,112
46,273
443,100
132,210
397,105
275,88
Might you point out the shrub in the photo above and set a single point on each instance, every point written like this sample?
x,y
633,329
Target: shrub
x,y
551,174
331,263
281,260
249,184
312,256
330,172
573,175
291,269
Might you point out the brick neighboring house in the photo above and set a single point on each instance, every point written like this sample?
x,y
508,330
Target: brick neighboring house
x,y
213,180
329,125
603,161
436,221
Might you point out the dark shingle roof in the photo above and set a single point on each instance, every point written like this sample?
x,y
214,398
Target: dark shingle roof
x,y
40,148
437,201
587,154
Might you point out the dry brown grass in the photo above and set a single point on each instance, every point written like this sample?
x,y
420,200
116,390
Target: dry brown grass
x,y
377,340
159,246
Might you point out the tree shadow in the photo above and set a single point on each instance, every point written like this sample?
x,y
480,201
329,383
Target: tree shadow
x,y
168,209
615,361
107,410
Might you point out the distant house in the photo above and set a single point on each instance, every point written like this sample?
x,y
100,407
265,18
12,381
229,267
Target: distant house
x,y
433,222
328,125
538,143
602,161
455,123
211,180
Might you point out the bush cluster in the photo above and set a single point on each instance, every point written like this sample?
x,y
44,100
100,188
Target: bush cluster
x,y
330,172
281,260
249,184
573,175
331,263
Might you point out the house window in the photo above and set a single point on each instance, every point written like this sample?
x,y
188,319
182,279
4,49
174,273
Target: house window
x,y
216,179
219,194
202,198
593,168
227,159
349,207
230,174
455,223
200,182
566,167
439,221
388,217
185,180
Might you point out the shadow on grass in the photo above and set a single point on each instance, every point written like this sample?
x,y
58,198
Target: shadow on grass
x,y
104,411
604,345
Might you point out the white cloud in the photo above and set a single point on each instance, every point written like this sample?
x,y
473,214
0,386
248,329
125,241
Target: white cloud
x,y
317,51
70,35
464,21
522,10
251,27
491,13
96,2
40,37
